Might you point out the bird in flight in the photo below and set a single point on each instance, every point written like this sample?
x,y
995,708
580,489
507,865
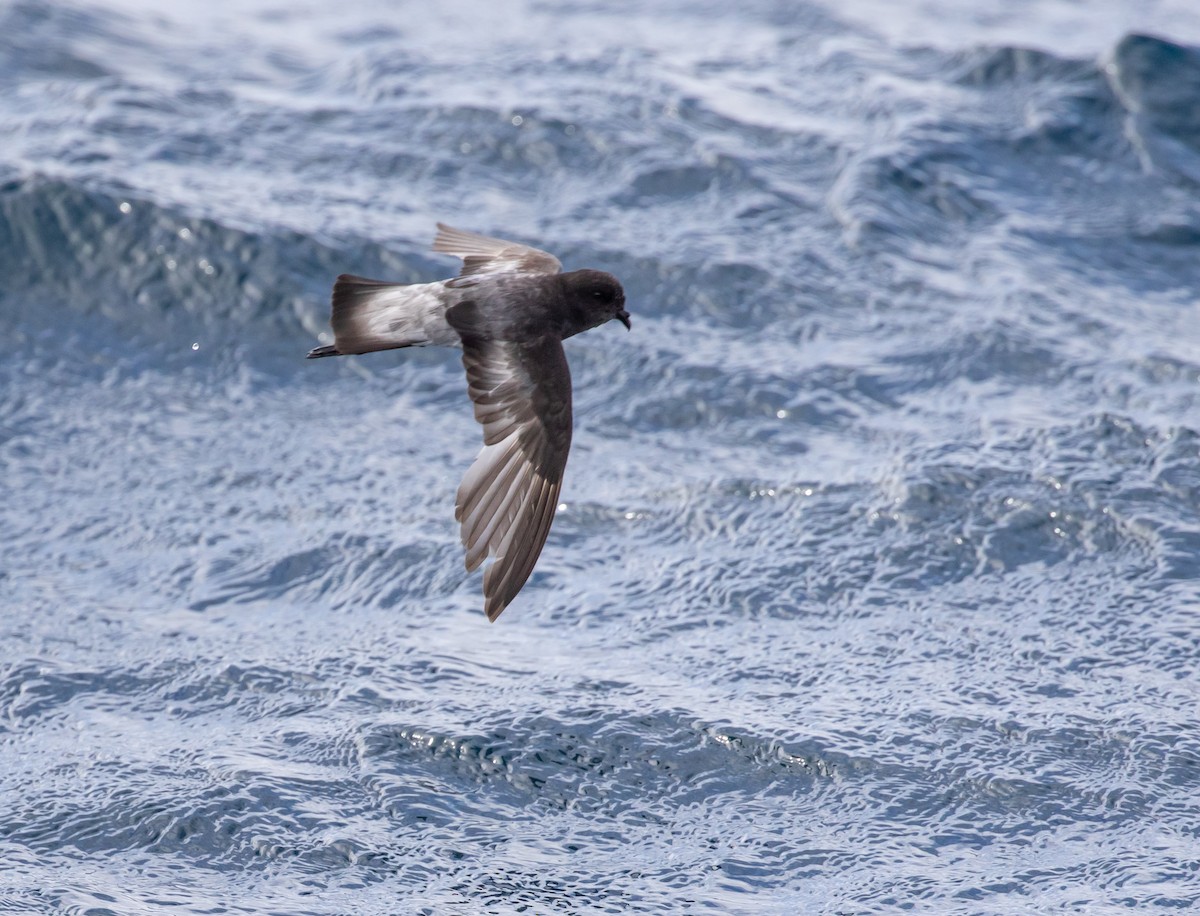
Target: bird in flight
x,y
509,309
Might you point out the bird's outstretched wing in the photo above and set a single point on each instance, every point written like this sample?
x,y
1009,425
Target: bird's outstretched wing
x,y
508,497
483,255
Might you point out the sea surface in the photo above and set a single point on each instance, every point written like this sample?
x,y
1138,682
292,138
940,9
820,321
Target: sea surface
x,y
876,582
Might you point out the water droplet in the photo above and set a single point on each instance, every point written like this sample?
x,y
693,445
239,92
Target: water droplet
x,y
185,233
196,345
125,207
562,507
781,414
517,121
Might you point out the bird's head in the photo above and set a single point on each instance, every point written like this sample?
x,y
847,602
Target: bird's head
x,y
593,297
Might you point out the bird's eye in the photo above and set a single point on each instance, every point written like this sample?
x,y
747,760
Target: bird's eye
x,y
599,293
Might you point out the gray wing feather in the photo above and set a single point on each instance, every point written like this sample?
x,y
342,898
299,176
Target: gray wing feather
x,y
483,254
508,498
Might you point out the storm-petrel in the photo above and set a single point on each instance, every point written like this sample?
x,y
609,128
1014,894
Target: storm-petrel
x,y
509,309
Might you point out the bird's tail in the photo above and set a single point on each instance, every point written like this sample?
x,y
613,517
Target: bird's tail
x,y
373,315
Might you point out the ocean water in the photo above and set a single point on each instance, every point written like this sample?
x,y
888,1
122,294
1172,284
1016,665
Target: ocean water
x,y
876,586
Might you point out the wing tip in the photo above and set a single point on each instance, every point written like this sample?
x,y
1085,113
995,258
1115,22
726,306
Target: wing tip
x,y
463,242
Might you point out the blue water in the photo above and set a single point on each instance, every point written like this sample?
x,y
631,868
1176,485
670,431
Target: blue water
x,y
877,580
